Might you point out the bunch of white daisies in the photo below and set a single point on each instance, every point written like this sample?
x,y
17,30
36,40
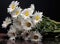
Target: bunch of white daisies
x,y
23,20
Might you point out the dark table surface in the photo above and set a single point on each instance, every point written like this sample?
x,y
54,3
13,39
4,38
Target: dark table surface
x,y
51,40
29,42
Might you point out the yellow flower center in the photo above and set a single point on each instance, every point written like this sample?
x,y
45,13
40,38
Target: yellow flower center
x,y
13,6
17,12
28,24
37,17
27,13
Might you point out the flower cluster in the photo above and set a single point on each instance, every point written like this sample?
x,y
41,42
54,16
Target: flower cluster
x,y
23,20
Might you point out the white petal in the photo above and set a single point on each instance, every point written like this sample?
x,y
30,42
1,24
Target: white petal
x,y
4,25
32,6
11,3
12,38
6,22
9,10
16,3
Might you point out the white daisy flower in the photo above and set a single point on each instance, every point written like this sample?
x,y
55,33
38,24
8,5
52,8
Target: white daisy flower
x,y
25,35
6,22
37,17
26,13
27,24
12,32
12,6
17,23
35,36
16,12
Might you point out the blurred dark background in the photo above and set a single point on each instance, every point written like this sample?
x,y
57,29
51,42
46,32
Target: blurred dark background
x,y
48,7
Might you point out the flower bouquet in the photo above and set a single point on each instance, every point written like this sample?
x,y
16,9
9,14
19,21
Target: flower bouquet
x,y
28,23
